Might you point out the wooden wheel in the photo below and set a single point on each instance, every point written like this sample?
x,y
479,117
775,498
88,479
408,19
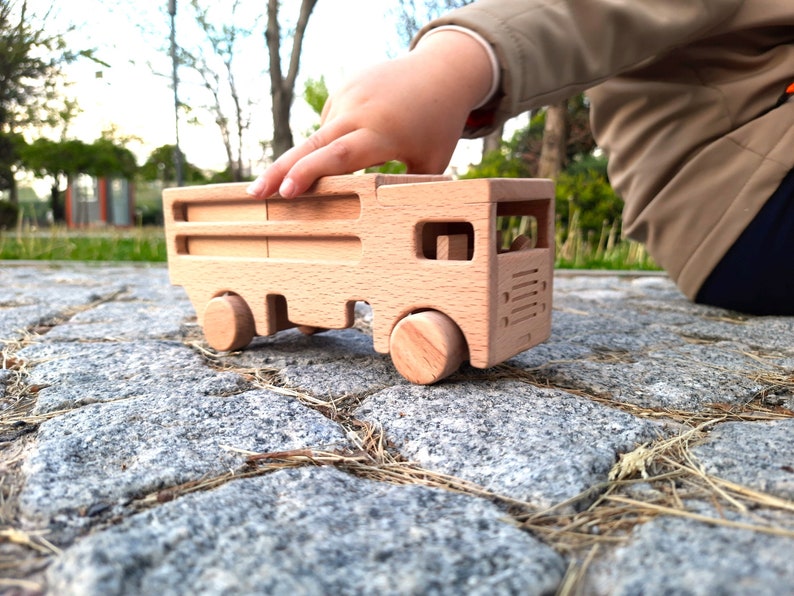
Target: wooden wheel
x,y
427,346
228,323
309,330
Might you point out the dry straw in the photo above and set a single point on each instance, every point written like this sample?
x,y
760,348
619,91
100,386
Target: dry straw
x,y
655,479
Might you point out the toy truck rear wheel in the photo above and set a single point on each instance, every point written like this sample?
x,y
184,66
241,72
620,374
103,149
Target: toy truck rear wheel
x,y
228,323
427,346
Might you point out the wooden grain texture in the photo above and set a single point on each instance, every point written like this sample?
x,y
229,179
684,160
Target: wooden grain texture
x,y
452,247
404,244
427,347
228,323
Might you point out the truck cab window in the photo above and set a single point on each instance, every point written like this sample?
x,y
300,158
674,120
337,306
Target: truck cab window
x,y
446,240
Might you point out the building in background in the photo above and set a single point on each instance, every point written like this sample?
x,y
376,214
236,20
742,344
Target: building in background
x,y
94,201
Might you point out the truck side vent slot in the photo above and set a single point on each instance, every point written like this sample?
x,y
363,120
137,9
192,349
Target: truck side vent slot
x,y
305,208
287,248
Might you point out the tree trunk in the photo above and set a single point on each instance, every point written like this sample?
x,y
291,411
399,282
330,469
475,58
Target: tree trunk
x,y
282,88
552,153
13,191
238,174
493,141
57,206
282,132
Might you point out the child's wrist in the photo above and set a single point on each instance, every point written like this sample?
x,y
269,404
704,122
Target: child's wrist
x,y
494,69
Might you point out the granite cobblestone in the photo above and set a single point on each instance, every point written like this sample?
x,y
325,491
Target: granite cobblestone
x,y
128,444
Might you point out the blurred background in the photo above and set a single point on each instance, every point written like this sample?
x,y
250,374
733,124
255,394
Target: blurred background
x,y
103,103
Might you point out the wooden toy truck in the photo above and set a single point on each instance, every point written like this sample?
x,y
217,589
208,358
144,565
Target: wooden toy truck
x,y
423,251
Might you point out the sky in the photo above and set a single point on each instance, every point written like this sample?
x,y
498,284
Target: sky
x,y
133,92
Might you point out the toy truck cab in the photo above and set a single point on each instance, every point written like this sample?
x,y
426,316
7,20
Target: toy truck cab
x,y
423,251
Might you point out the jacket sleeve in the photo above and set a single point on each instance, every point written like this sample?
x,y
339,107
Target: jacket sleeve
x,y
550,50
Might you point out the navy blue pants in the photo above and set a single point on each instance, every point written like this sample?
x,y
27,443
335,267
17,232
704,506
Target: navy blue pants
x,y
756,275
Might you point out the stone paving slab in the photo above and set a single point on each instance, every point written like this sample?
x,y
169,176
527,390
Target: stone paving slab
x,y
753,455
656,433
531,444
328,365
73,374
105,455
670,555
274,535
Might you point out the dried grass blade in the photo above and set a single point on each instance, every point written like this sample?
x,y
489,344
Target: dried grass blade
x,y
661,509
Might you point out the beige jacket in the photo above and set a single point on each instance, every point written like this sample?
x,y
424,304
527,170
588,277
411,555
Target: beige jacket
x,y
683,95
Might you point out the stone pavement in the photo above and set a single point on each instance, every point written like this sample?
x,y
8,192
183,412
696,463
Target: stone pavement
x,y
646,448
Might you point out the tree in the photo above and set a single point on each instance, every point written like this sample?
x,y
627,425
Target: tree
x,y
282,85
220,83
30,69
574,141
505,162
413,15
64,160
555,137
108,159
219,35
160,166
583,192
60,160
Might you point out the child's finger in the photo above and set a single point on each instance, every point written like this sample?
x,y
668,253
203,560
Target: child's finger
x,y
273,178
348,153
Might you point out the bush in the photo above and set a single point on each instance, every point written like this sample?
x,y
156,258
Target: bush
x,y
149,215
589,193
9,213
390,167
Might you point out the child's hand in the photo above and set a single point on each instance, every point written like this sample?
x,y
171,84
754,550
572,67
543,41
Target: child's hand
x,y
412,109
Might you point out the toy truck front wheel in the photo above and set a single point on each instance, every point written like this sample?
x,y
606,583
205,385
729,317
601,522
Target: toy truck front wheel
x,y
228,323
427,346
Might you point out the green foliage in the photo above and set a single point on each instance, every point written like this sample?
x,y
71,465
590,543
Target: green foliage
x,y
8,215
160,166
60,244
589,193
221,177
502,163
149,213
107,159
103,157
577,249
390,167
588,209
510,160
45,157
149,203
582,188
522,151
587,163
31,61
9,143
315,92
589,221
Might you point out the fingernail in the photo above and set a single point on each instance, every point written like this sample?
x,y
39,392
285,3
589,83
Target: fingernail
x,y
287,188
256,187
